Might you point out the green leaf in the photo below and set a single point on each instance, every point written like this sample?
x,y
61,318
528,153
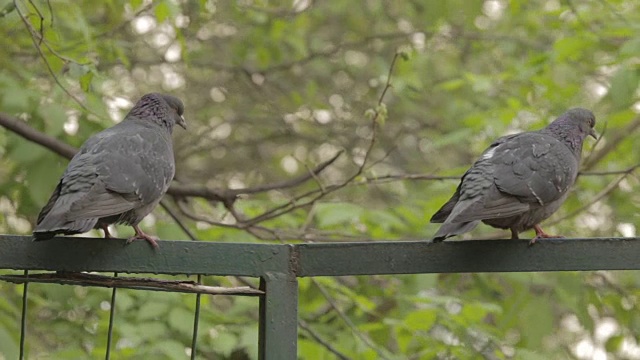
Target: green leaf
x,y
7,9
25,152
453,84
421,319
404,339
173,349
312,350
8,345
623,87
181,320
147,330
475,312
224,342
248,339
405,54
525,354
614,343
381,110
39,176
537,321
152,310
162,11
630,48
17,98
453,137
135,4
54,116
370,114
570,48
85,81
77,70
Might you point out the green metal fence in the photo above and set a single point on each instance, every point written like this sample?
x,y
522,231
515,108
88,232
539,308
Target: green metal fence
x,y
279,265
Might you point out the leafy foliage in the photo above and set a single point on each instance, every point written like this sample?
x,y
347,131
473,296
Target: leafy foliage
x,y
272,89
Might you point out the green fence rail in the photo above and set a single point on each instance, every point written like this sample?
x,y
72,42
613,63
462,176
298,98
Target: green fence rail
x,y
279,265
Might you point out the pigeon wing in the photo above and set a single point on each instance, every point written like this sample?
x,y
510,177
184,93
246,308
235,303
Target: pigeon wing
x,y
536,169
133,170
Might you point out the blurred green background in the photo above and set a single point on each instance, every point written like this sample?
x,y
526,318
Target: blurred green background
x,y
274,88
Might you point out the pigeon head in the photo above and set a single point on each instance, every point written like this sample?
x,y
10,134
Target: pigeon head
x,y
165,110
573,127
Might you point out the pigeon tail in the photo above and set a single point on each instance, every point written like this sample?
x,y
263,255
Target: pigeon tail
x,y
453,229
45,235
444,212
46,231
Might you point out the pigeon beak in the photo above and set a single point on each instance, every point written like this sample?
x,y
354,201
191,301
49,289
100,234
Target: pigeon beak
x,y
594,134
182,123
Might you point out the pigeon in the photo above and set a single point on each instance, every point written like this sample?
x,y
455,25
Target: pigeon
x,y
119,175
520,180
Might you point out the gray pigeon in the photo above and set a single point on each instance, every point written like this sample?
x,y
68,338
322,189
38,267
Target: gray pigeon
x,y
119,175
520,180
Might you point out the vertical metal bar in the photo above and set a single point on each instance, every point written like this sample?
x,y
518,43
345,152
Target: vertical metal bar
x,y
278,328
112,311
23,319
196,321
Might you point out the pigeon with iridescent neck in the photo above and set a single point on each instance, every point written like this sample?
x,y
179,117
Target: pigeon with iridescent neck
x,y
520,180
119,175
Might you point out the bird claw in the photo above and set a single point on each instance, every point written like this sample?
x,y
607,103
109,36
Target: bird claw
x,y
140,235
540,234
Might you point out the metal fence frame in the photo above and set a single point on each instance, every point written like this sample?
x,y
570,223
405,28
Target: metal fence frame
x,y
279,265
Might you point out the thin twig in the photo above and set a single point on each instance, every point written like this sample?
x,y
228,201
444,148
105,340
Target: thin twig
x,y
67,151
382,353
320,193
606,191
177,220
83,279
226,195
315,336
612,172
312,55
579,18
111,32
36,44
613,141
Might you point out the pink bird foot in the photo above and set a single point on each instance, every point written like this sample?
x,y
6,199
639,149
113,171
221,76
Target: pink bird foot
x,y
540,234
140,235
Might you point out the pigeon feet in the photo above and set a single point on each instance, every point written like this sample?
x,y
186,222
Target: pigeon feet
x,y
540,234
140,235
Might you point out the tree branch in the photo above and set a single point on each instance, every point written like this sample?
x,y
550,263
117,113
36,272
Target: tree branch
x,y
315,336
613,141
382,353
21,128
223,195
613,185
303,200
229,195
37,40
83,279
